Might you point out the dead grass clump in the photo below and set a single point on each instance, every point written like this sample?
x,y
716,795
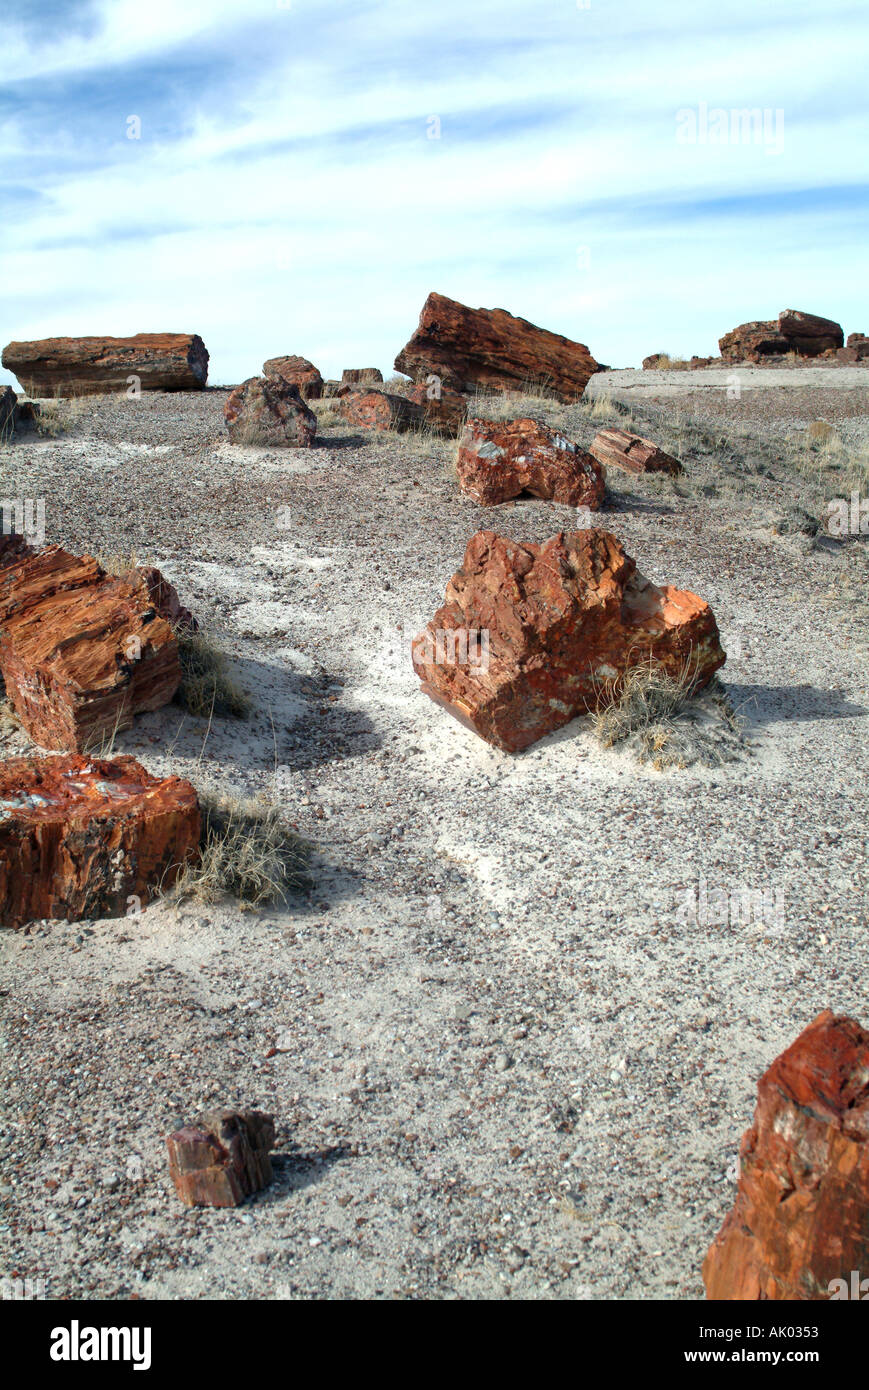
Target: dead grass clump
x,y
246,852
666,721
667,363
207,686
55,417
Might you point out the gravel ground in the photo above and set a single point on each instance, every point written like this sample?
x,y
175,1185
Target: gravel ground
x,y
504,1058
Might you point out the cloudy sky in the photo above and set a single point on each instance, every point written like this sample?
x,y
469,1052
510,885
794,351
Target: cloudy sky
x,y
306,172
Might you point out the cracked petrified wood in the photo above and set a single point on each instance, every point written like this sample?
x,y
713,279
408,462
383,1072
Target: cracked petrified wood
x,y
801,1216
222,1158
500,459
269,411
445,411
466,348
379,410
299,372
81,651
810,334
631,453
545,632
80,837
87,366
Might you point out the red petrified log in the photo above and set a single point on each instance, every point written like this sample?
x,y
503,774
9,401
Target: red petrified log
x,y
632,453
298,371
81,652
810,334
532,635
80,836
86,366
379,410
498,460
490,348
222,1158
800,1222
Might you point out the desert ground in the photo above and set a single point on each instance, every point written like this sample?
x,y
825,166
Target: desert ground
x,y
503,1057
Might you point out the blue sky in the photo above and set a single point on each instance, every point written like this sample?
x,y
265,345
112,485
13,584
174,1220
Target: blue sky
x,y
286,194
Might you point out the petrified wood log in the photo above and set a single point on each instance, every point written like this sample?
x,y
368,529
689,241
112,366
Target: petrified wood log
x,y
269,411
379,410
444,410
80,836
492,349
800,1222
632,453
222,1158
810,334
81,652
545,632
498,460
87,366
298,371
361,376
749,342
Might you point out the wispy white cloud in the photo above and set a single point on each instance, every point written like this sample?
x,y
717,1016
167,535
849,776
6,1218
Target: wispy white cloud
x,y
285,197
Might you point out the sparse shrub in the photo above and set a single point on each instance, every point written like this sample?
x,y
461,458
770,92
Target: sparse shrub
x,y
246,852
207,687
665,720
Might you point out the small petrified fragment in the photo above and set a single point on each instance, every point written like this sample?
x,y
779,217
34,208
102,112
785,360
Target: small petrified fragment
x,y
82,837
89,366
222,1158
800,1222
269,411
494,350
379,410
298,371
361,376
499,459
632,453
81,651
445,410
532,635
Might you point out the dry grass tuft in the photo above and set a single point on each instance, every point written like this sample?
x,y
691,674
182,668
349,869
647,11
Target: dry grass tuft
x,y
666,721
246,852
207,687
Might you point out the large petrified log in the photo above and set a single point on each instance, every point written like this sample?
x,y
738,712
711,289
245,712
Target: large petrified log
x,y
800,1222
749,342
269,411
80,837
298,371
532,635
632,453
489,348
222,1158
82,652
809,334
498,460
88,366
379,410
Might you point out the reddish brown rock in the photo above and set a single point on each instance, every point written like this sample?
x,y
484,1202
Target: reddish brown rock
x,y
379,410
752,341
489,348
361,376
498,460
298,371
809,334
856,349
81,652
530,636
269,411
80,837
445,411
632,453
653,362
800,1221
88,366
222,1158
